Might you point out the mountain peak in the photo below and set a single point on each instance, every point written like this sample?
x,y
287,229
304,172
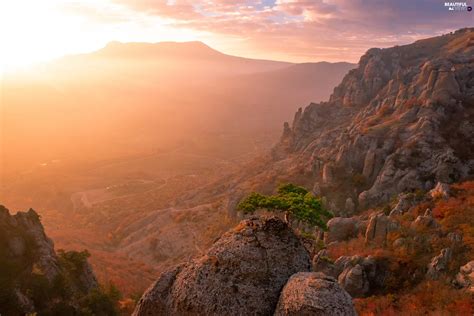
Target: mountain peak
x,y
158,49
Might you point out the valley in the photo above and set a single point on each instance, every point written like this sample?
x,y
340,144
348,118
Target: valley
x,y
90,182
142,156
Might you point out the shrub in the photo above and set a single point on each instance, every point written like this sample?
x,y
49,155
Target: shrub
x,y
73,261
98,302
292,200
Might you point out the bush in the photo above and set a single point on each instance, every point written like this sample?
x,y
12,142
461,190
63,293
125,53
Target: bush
x,y
98,302
292,200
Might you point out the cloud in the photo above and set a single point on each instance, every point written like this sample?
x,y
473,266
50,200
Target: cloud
x,y
310,29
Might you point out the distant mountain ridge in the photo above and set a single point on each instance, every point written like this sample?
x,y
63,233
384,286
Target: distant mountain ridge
x,y
151,89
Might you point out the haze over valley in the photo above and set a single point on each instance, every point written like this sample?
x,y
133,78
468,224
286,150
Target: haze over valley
x,y
133,126
270,157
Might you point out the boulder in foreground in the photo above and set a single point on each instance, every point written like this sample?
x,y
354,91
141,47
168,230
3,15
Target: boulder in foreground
x,y
313,293
241,274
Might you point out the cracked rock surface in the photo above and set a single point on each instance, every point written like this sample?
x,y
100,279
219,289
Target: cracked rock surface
x,y
241,274
313,293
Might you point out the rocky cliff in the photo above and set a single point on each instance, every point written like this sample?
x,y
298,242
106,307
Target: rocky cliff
x,y
402,121
33,278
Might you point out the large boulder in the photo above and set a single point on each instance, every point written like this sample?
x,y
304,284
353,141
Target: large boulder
x,y
312,293
241,274
354,280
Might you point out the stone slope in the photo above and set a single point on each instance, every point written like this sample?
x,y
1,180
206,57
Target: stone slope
x,y
403,120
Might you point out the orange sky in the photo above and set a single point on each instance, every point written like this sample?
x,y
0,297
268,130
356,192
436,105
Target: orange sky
x,y
293,30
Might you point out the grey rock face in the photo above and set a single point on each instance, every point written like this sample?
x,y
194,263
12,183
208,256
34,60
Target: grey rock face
x,y
378,228
439,264
323,264
405,201
354,280
311,293
32,232
24,244
401,121
349,206
361,276
87,278
241,274
341,228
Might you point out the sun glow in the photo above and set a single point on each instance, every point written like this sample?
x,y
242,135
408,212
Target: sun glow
x,y
34,31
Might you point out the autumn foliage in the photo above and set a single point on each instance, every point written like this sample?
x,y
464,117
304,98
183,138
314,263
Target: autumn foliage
x,y
417,295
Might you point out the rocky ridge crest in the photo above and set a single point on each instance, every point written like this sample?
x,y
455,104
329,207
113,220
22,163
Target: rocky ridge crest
x,y
33,277
402,121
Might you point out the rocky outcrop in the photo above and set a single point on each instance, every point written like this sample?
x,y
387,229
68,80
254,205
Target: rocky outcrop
x,y
400,122
322,263
361,276
349,206
23,234
441,190
439,264
341,228
405,201
34,278
378,228
241,274
354,280
310,293
425,221
465,277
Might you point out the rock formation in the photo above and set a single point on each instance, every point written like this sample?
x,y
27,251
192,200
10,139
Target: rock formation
x,y
465,277
425,221
378,228
340,229
241,274
311,293
34,278
439,263
402,121
441,190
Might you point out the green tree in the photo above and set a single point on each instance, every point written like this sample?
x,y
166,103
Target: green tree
x,y
294,201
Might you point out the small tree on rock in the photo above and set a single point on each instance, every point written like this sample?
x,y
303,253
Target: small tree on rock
x,y
294,201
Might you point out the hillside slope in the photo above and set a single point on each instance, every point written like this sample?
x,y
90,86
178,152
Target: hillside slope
x,y
386,129
403,120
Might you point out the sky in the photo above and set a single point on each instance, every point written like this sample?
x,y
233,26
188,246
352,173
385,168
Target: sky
x,y
290,30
